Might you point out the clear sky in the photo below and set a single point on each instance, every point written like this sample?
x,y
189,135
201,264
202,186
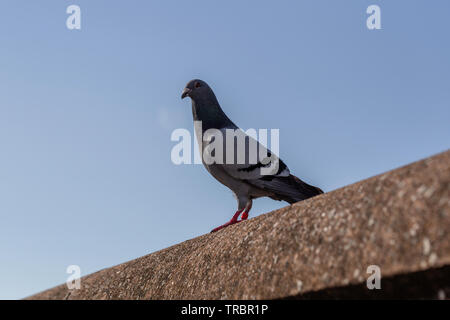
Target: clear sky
x,y
86,115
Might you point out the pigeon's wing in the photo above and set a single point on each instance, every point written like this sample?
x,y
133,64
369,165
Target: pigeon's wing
x,y
243,157
254,164
290,188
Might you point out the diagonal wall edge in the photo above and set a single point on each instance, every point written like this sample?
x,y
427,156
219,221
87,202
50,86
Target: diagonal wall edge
x,y
399,221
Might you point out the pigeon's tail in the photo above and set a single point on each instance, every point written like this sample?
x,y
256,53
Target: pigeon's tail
x,y
292,189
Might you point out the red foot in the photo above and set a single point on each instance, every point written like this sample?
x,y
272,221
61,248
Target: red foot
x,y
247,209
229,223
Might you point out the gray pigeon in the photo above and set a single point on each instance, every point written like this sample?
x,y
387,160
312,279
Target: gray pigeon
x,y
242,172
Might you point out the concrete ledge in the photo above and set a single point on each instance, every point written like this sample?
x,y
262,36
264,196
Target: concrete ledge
x,y
432,283
399,221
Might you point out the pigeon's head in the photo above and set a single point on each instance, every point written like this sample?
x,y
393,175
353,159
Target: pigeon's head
x,y
195,89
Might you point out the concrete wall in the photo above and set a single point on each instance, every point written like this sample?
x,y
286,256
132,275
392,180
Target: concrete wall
x,y
321,247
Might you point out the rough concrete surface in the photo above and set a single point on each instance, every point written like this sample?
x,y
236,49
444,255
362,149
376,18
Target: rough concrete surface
x,y
399,221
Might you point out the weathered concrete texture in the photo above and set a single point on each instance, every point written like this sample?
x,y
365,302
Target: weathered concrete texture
x,y
432,284
399,221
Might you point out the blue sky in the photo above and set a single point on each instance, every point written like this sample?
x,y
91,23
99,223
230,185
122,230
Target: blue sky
x,y
86,115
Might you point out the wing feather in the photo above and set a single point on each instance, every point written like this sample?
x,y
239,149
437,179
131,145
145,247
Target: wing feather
x,y
244,158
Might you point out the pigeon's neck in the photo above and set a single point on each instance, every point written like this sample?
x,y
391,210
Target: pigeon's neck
x,y
210,114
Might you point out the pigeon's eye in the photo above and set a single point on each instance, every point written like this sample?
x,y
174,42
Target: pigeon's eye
x,y
197,85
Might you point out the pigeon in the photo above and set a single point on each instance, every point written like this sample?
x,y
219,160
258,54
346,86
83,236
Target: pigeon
x,y
242,172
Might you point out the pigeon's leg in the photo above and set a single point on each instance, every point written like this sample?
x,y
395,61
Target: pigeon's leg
x,y
247,209
232,221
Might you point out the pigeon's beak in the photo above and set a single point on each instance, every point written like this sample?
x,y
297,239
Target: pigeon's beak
x,y
185,93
